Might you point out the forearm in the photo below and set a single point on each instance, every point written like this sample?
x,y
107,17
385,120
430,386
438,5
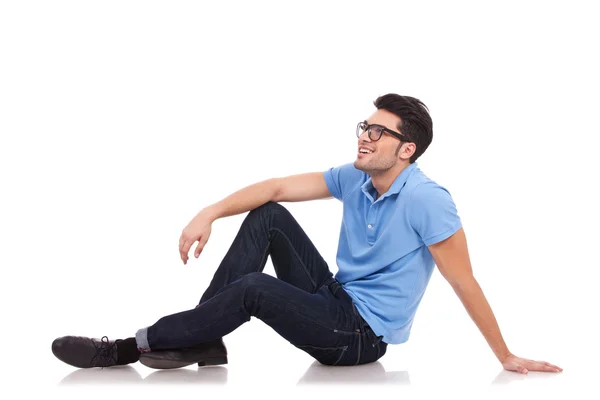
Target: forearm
x,y
243,200
478,308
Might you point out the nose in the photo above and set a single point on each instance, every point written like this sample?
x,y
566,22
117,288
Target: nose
x,y
365,140
364,137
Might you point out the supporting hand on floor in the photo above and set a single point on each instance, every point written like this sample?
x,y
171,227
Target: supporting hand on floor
x,y
523,365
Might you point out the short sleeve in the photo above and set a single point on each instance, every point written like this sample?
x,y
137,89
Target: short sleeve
x,y
432,213
339,179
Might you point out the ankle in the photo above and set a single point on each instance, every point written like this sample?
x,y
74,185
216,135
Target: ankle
x,y
127,351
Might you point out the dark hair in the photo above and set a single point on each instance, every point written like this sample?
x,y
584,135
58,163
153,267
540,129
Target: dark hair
x,y
415,122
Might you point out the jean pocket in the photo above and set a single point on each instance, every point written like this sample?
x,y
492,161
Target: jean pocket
x,y
325,355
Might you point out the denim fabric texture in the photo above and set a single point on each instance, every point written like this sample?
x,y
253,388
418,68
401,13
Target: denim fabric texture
x,y
304,303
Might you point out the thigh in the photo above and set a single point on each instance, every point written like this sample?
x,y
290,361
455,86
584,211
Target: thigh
x,y
270,229
295,258
321,324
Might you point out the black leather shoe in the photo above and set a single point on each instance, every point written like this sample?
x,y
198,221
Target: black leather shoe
x,y
83,352
210,353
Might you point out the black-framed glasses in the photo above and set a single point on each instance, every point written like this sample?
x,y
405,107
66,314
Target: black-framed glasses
x,y
376,131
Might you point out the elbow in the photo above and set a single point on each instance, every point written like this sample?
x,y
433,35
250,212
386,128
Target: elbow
x,y
463,282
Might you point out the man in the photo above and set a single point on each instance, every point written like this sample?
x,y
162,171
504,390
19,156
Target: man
x,y
397,224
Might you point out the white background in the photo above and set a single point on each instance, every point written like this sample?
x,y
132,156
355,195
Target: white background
x,y
120,120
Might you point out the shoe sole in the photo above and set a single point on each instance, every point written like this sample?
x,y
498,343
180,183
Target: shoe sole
x,y
160,362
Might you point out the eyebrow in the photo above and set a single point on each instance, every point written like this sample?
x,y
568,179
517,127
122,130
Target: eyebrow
x,y
366,122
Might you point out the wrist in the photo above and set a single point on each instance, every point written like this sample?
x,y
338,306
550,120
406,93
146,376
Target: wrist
x,y
210,213
504,355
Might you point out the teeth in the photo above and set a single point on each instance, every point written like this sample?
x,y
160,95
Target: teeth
x,y
365,151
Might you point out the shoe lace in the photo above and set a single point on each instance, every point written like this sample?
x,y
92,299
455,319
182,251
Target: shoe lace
x,y
105,352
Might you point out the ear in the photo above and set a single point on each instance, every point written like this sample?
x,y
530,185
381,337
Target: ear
x,y
406,150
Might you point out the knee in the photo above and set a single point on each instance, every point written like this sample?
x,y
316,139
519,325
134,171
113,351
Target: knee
x,y
254,284
267,208
254,287
245,287
266,213
253,279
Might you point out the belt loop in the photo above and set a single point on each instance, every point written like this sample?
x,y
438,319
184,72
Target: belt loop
x,y
366,328
377,340
334,287
361,321
374,339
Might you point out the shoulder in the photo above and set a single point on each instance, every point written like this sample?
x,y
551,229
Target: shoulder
x,y
347,169
432,212
425,191
343,179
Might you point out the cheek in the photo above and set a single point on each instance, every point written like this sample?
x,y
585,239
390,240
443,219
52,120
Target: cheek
x,y
389,147
390,150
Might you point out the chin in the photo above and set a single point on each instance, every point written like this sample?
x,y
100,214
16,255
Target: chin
x,y
360,166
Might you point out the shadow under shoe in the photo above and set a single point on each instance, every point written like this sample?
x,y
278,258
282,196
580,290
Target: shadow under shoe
x,y
204,354
84,352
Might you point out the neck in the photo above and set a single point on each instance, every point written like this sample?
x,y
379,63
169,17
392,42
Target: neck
x,y
383,180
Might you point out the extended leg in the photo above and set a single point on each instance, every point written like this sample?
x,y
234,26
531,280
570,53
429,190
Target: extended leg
x,y
318,323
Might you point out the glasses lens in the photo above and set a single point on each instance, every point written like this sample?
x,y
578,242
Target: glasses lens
x,y
360,128
375,133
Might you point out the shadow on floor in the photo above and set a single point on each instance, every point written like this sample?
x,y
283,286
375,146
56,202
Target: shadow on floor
x,y
372,373
130,376
316,373
505,377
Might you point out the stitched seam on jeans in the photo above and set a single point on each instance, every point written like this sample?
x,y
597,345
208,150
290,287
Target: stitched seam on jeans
x,y
304,346
264,257
297,256
342,348
359,348
341,355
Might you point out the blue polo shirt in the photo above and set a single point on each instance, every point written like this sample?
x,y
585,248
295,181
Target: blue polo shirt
x,y
383,260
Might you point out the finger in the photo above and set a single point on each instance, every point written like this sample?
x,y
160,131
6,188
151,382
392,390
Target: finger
x,y
200,247
542,366
553,366
181,242
186,249
522,369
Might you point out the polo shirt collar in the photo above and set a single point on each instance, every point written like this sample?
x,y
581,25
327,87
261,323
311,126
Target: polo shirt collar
x,y
369,190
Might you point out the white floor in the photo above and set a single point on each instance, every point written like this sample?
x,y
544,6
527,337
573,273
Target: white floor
x,y
286,371
441,358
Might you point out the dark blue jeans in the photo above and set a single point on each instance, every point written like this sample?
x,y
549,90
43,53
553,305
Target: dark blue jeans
x,y
304,303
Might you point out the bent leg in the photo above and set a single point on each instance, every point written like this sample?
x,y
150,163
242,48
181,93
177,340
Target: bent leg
x,y
271,230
